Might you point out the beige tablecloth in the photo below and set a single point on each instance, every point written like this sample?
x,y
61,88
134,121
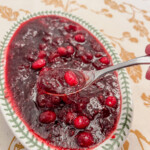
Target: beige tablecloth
x,y
126,23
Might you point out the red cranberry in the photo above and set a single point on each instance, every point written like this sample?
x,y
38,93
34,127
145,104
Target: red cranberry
x,y
111,101
85,139
44,69
148,74
42,46
70,117
38,64
81,122
70,28
84,59
41,54
79,38
62,51
41,100
71,78
89,55
98,54
70,50
53,56
147,49
104,60
66,100
47,117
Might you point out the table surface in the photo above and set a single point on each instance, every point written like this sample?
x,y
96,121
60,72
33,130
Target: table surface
x,y
126,23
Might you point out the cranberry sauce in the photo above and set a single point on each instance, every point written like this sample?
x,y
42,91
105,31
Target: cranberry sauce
x,y
81,120
60,81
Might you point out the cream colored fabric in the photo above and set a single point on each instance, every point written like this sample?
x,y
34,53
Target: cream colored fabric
x,y
126,23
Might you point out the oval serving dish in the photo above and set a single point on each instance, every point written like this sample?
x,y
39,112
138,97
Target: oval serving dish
x,y
20,130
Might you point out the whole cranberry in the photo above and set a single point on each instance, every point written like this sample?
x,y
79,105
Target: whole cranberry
x,y
44,69
111,101
66,100
71,78
85,59
148,74
62,51
81,122
85,139
70,117
98,54
70,50
47,117
53,56
41,100
89,55
70,28
38,64
147,49
41,54
79,38
104,60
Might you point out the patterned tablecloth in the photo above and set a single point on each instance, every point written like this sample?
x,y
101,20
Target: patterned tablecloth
x,y
126,23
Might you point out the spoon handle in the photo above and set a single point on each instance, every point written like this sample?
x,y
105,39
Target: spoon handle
x,y
136,61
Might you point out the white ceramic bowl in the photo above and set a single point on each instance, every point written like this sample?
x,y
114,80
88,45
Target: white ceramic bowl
x,y
19,128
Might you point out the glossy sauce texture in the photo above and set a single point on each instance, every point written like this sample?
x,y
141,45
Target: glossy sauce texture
x,y
41,38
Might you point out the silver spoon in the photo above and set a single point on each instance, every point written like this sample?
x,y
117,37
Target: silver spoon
x,y
93,76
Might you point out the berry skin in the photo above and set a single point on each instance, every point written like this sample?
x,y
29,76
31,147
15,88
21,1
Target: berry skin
x,y
148,74
66,100
62,51
79,38
111,101
44,69
84,59
81,122
41,100
38,64
41,54
104,60
70,50
147,49
89,55
71,78
47,117
85,139
53,56
70,28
